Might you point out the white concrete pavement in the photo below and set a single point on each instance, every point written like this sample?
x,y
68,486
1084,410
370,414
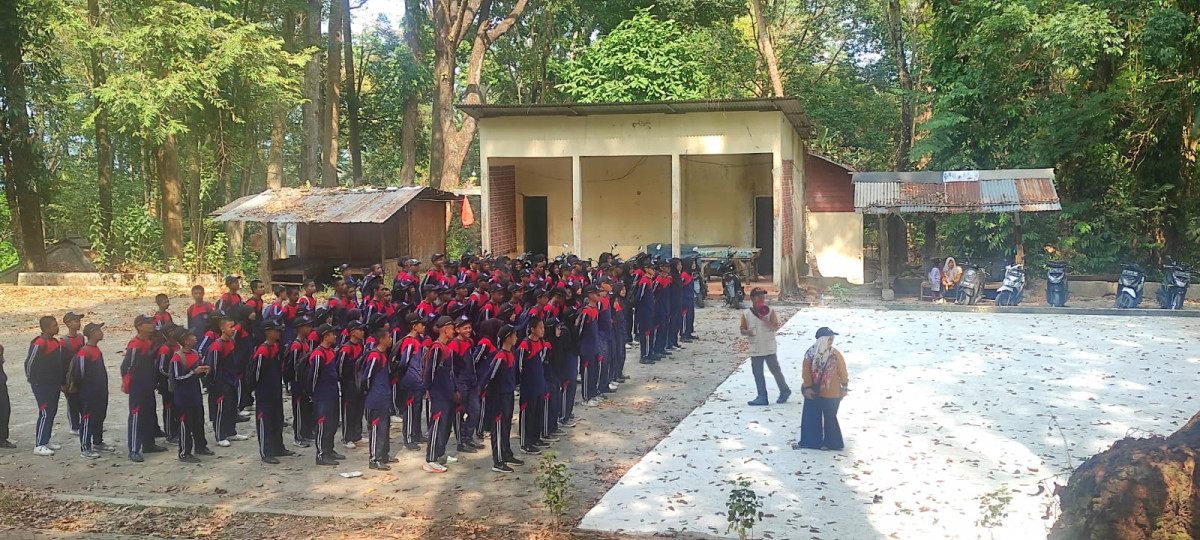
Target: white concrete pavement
x,y
943,408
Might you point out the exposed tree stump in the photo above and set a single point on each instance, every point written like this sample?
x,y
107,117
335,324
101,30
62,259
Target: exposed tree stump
x,y
1138,489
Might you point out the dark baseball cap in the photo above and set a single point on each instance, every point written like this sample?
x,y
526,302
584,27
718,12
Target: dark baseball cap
x,y
442,321
232,278
825,331
92,327
504,332
325,329
272,324
414,318
758,291
72,316
301,321
142,319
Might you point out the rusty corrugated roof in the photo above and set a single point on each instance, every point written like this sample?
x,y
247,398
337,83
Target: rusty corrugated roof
x,y
1024,190
325,205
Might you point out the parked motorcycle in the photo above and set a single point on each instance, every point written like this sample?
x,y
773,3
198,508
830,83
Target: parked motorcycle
x,y
1012,289
1176,279
1129,286
731,283
1056,283
970,287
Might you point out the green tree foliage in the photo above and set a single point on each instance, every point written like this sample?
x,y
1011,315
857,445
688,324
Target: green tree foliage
x,y
1104,92
643,59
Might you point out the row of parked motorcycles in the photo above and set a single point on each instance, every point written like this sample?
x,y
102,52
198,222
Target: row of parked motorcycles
x,y
1175,281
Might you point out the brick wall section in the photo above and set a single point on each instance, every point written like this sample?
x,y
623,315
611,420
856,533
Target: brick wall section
x,y
502,202
786,215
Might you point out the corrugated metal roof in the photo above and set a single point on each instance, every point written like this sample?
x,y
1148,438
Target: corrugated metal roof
x,y
1033,193
938,177
325,205
790,107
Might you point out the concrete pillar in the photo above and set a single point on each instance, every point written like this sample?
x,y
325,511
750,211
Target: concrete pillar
x,y
676,206
777,265
576,207
485,207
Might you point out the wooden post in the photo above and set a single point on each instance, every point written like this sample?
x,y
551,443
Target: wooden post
x,y
1020,257
269,247
676,206
382,248
885,259
576,206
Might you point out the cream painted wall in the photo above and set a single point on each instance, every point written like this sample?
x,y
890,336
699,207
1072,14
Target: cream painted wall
x,y
837,239
550,178
718,197
627,200
632,134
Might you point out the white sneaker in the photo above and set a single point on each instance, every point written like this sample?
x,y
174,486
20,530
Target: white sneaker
x,y
42,451
433,467
244,414
613,386
54,446
450,460
628,346
591,402
350,445
90,454
74,432
223,444
239,437
396,419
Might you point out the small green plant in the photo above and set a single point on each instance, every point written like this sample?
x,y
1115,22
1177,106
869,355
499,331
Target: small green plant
x,y
744,508
838,291
555,483
993,508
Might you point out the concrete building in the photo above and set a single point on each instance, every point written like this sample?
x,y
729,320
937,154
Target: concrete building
x,y
722,172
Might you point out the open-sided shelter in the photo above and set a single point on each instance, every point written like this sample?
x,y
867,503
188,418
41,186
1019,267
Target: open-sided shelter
x,y
683,173
1004,191
311,231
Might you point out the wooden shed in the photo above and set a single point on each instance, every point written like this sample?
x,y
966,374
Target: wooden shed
x,y
309,232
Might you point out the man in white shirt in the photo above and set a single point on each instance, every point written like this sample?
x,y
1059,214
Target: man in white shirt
x,y
759,324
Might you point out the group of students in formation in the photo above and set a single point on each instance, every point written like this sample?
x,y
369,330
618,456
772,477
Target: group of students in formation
x,y
444,350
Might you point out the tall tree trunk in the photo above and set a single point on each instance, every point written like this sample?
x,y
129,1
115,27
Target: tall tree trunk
x,y
310,110
895,24
355,146
279,116
172,205
104,153
333,95
195,205
765,48
446,160
410,126
24,164
235,230
10,198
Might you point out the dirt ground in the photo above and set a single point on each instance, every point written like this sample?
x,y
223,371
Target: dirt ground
x,y
296,494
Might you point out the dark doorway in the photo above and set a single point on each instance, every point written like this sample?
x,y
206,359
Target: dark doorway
x,y
764,234
536,225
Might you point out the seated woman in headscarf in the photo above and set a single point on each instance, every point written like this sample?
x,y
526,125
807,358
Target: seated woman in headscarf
x,y
825,382
951,275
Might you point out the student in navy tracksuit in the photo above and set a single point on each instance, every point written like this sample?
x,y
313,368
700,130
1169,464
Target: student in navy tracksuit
x,y
187,368
44,368
265,375
532,356
323,374
197,313
377,384
222,391
91,379
466,383
604,325
349,358
295,373
139,373
662,311
408,360
442,397
644,317
588,327
162,364
72,342
689,300
501,382
5,405
616,294
567,365
675,305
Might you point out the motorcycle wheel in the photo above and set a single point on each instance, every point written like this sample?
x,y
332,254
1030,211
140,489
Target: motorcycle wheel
x,y
1121,302
962,297
1004,298
699,300
1177,303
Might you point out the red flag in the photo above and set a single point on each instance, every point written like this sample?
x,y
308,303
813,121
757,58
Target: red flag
x,y
468,215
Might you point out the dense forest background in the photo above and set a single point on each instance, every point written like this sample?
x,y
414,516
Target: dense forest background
x,y
127,121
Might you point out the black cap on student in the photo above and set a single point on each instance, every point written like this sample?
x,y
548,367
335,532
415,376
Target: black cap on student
x,y
326,329
272,324
71,316
92,327
758,291
414,318
301,321
504,332
232,278
442,321
142,319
